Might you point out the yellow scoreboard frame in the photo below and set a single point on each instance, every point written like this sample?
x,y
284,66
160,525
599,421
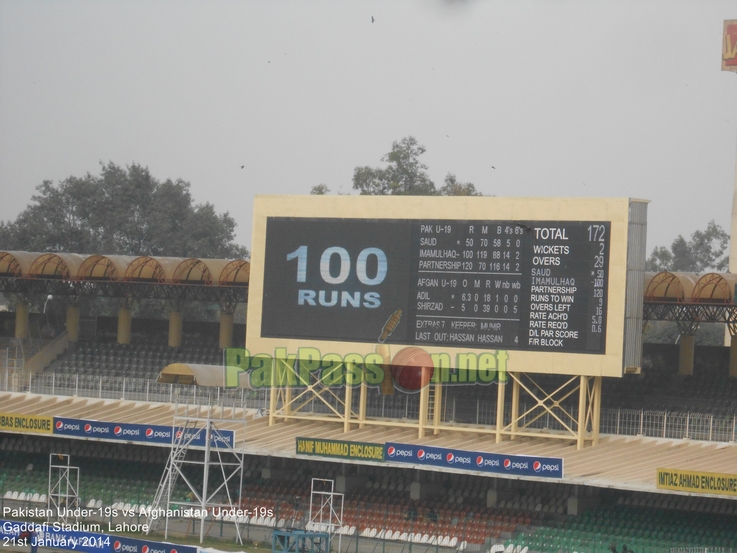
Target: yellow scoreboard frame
x,y
625,218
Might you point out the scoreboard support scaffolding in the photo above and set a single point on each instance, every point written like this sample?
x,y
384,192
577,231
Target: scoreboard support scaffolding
x,y
288,402
581,426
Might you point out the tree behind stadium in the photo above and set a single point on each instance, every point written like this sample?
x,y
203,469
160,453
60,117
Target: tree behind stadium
x,y
123,212
404,175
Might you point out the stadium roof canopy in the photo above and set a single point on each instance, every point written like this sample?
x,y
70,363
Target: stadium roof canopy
x,y
76,267
620,462
69,274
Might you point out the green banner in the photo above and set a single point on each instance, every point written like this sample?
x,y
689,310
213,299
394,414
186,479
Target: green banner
x,y
363,451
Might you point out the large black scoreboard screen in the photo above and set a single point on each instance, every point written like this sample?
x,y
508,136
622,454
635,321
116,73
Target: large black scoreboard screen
x,y
481,284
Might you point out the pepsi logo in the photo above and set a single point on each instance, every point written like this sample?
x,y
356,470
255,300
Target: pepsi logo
x,y
179,434
449,458
421,454
507,464
59,425
144,549
479,461
536,466
119,431
173,551
117,546
390,451
88,428
149,432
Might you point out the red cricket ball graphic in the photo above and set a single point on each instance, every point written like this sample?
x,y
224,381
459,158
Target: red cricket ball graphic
x,y
412,368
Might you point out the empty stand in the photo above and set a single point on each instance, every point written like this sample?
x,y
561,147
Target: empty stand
x,y
378,505
143,361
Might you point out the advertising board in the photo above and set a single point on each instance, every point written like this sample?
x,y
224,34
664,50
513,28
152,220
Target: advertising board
x,y
129,432
697,482
37,424
340,449
495,463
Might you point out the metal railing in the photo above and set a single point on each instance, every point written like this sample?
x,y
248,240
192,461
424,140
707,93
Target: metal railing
x,y
11,359
623,422
137,389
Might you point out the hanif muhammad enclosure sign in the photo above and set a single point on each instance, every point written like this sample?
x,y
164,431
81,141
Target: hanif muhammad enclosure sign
x,y
533,277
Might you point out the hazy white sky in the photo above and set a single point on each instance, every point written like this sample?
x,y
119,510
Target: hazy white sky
x,y
563,98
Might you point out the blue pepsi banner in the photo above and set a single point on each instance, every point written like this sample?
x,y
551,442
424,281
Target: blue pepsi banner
x,y
496,463
140,433
57,535
130,545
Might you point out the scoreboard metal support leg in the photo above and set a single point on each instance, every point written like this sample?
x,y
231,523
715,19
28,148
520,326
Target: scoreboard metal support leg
x,y
583,387
287,399
500,389
362,400
422,415
437,409
515,406
272,398
597,410
347,408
